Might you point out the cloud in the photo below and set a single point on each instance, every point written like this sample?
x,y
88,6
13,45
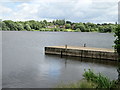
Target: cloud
x,y
57,0
74,10
5,9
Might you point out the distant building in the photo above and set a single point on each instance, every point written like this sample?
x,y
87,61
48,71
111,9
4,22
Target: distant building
x,y
62,26
53,26
73,26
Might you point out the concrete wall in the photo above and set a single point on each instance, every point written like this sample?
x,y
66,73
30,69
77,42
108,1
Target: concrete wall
x,y
81,53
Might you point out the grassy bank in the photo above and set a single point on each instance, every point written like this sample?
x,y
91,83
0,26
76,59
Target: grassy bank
x,y
92,80
61,30
56,30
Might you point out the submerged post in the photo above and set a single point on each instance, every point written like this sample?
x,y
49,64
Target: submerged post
x,y
100,54
65,46
66,49
61,53
81,53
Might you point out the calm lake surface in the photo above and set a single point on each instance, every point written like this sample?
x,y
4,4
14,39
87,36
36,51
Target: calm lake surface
x,y
25,65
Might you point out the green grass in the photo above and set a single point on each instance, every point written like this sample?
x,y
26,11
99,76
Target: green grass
x,y
79,84
36,30
69,30
92,80
53,29
101,80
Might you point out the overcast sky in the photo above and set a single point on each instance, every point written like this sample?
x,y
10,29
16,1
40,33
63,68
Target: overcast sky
x,y
96,11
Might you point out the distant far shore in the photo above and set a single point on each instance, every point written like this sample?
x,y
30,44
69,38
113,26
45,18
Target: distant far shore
x,y
56,26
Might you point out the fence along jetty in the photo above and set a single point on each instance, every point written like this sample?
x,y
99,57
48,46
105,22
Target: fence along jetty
x,y
85,52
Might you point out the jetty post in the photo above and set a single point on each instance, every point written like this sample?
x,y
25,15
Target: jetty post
x,y
66,49
61,53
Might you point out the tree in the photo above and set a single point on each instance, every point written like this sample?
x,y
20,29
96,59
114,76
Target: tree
x,y
68,22
42,24
82,28
19,26
78,30
4,27
67,26
12,25
91,24
55,29
117,48
62,22
45,23
117,41
59,22
101,29
27,27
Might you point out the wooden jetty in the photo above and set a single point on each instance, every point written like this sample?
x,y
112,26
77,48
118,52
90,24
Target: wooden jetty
x,y
85,52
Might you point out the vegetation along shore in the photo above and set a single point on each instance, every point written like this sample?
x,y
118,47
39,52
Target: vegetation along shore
x,y
56,25
92,80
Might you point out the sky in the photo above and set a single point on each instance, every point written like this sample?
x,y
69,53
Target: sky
x,y
95,11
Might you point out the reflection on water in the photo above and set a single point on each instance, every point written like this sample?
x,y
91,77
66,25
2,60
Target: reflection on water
x,y
103,66
87,60
25,65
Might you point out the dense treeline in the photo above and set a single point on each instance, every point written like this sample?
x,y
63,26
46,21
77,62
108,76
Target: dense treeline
x,y
117,48
56,25
117,41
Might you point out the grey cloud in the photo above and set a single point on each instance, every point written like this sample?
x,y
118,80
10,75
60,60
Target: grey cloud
x,y
20,0
119,12
95,12
74,11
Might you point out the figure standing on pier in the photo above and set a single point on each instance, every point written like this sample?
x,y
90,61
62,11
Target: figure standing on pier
x,y
85,45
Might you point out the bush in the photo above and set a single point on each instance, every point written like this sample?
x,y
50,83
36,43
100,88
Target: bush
x,y
89,75
92,80
99,79
77,30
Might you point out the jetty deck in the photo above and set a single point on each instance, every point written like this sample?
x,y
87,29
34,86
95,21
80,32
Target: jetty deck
x,y
88,52
84,48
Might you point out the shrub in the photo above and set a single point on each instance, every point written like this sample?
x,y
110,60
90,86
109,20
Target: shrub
x,y
92,80
99,79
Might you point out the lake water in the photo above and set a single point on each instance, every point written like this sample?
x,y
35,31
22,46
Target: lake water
x,y
25,65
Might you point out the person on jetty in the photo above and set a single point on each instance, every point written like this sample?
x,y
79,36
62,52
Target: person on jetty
x,y
85,45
